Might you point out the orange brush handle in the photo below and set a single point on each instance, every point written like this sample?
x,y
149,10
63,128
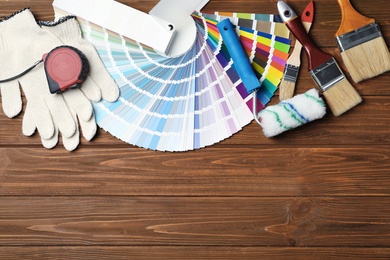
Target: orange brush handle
x,y
351,19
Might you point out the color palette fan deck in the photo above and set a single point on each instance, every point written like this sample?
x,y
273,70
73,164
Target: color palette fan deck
x,y
193,100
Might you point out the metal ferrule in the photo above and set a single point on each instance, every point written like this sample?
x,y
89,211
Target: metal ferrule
x,y
359,36
285,11
291,73
327,74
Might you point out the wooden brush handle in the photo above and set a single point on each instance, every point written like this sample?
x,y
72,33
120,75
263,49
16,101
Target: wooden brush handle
x,y
295,56
350,18
315,56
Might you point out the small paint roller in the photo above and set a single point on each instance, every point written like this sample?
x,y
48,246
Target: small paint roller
x,y
291,113
279,118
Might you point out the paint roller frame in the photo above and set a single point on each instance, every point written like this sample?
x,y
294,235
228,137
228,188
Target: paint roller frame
x,y
240,62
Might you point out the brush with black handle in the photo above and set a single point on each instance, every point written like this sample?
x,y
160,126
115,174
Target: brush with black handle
x,y
340,95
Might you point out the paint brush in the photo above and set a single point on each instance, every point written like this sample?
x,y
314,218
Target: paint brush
x,y
340,95
287,85
361,43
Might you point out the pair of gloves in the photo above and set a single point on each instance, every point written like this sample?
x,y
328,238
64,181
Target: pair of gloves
x,y
23,41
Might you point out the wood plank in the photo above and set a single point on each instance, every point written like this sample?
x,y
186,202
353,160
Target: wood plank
x,y
253,171
184,221
189,252
366,124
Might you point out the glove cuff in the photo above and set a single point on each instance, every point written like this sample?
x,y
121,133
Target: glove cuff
x,y
66,28
22,19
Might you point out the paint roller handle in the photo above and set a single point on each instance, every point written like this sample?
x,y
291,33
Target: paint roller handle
x,y
240,59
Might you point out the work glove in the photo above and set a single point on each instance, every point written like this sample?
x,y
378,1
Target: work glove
x,y
23,42
97,85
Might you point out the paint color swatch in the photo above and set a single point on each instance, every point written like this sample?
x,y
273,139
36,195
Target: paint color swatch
x,y
187,102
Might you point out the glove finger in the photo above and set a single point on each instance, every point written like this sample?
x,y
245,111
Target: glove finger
x,y
11,98
78,104
50,143
99,74
42,121
109,89
91,90
28,125
88,128
82,112
71,143
62,117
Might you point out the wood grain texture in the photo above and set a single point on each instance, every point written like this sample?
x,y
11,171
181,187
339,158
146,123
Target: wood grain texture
x,y
318,192
189,252
184,221
258,171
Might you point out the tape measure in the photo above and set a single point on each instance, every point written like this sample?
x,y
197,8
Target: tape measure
x,y
66,67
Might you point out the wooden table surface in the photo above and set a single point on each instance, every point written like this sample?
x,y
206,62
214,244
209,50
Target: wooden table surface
x,y
318,192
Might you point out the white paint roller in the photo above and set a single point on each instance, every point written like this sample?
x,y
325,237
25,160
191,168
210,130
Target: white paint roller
x,y
291,113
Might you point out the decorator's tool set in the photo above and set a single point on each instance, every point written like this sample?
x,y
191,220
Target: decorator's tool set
x,y
176,78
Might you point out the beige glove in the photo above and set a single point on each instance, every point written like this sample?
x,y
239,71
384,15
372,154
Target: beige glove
x,y
23,42
99,84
